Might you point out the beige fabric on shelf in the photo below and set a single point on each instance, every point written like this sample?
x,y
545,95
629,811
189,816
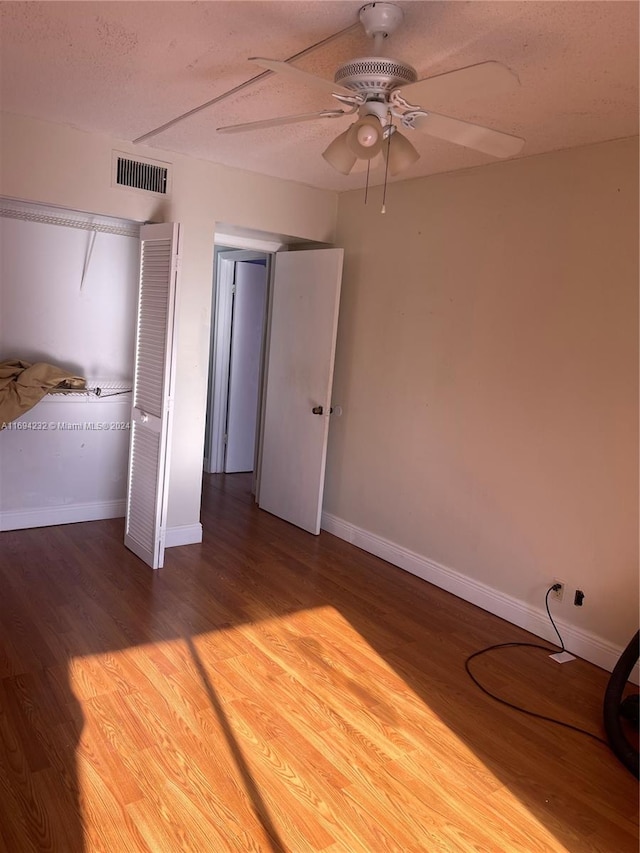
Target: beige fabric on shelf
x,y
22,385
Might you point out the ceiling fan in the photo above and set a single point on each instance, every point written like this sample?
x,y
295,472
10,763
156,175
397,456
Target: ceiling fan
x,y
383,92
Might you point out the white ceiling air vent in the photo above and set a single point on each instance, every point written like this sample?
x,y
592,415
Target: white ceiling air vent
x,y
152,176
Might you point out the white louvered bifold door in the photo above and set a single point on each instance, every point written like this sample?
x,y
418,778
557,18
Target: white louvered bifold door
x,y
152,394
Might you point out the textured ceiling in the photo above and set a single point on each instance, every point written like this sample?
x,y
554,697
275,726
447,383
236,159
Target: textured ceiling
x,y
124,68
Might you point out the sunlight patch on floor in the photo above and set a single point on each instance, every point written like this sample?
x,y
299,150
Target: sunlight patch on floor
x,y
290,726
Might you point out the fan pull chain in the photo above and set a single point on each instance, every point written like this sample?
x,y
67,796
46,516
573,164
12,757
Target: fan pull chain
x,y
366,186
386,169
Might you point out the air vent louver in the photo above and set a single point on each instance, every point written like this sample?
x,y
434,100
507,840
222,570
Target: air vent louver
x,y
141,175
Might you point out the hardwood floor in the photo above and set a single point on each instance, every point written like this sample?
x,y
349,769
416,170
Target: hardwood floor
x,y
273,691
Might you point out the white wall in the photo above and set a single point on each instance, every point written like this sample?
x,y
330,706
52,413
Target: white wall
x,y
50,314
487,365
65,460
59,165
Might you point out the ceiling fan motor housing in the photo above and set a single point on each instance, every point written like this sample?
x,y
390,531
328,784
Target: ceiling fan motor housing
x,y
380,19
375,75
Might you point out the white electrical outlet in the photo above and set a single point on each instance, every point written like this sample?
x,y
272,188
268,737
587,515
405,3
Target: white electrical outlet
x,y
557,593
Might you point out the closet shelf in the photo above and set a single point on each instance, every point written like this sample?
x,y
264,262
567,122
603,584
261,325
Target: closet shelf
x,y
110,391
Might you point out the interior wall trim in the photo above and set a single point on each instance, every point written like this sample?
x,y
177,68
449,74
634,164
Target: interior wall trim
x,y
183,534
579,642
68,514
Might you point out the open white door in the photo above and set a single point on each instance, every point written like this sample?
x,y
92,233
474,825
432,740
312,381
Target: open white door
x,y
304,322
152,394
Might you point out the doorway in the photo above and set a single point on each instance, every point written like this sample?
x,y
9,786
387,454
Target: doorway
x,y
239,325
245,364
297,348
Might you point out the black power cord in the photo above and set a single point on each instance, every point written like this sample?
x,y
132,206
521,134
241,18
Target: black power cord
x,y
529,646
554,588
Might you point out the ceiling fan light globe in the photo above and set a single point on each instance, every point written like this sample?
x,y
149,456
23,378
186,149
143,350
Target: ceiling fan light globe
x,y
339,155
367,136
364,137
401,153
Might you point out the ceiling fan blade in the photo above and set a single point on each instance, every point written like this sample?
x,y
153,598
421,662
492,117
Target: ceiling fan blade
x,y
486,78
301,76
492,142
195,110
275,122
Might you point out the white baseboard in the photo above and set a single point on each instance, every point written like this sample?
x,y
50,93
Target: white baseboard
x,y
183,534
69,514
581,643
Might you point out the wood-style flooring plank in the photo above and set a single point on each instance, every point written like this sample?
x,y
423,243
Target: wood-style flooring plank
x,y
269,691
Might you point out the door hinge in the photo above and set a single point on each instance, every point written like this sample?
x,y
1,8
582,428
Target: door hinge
x,y
226,438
